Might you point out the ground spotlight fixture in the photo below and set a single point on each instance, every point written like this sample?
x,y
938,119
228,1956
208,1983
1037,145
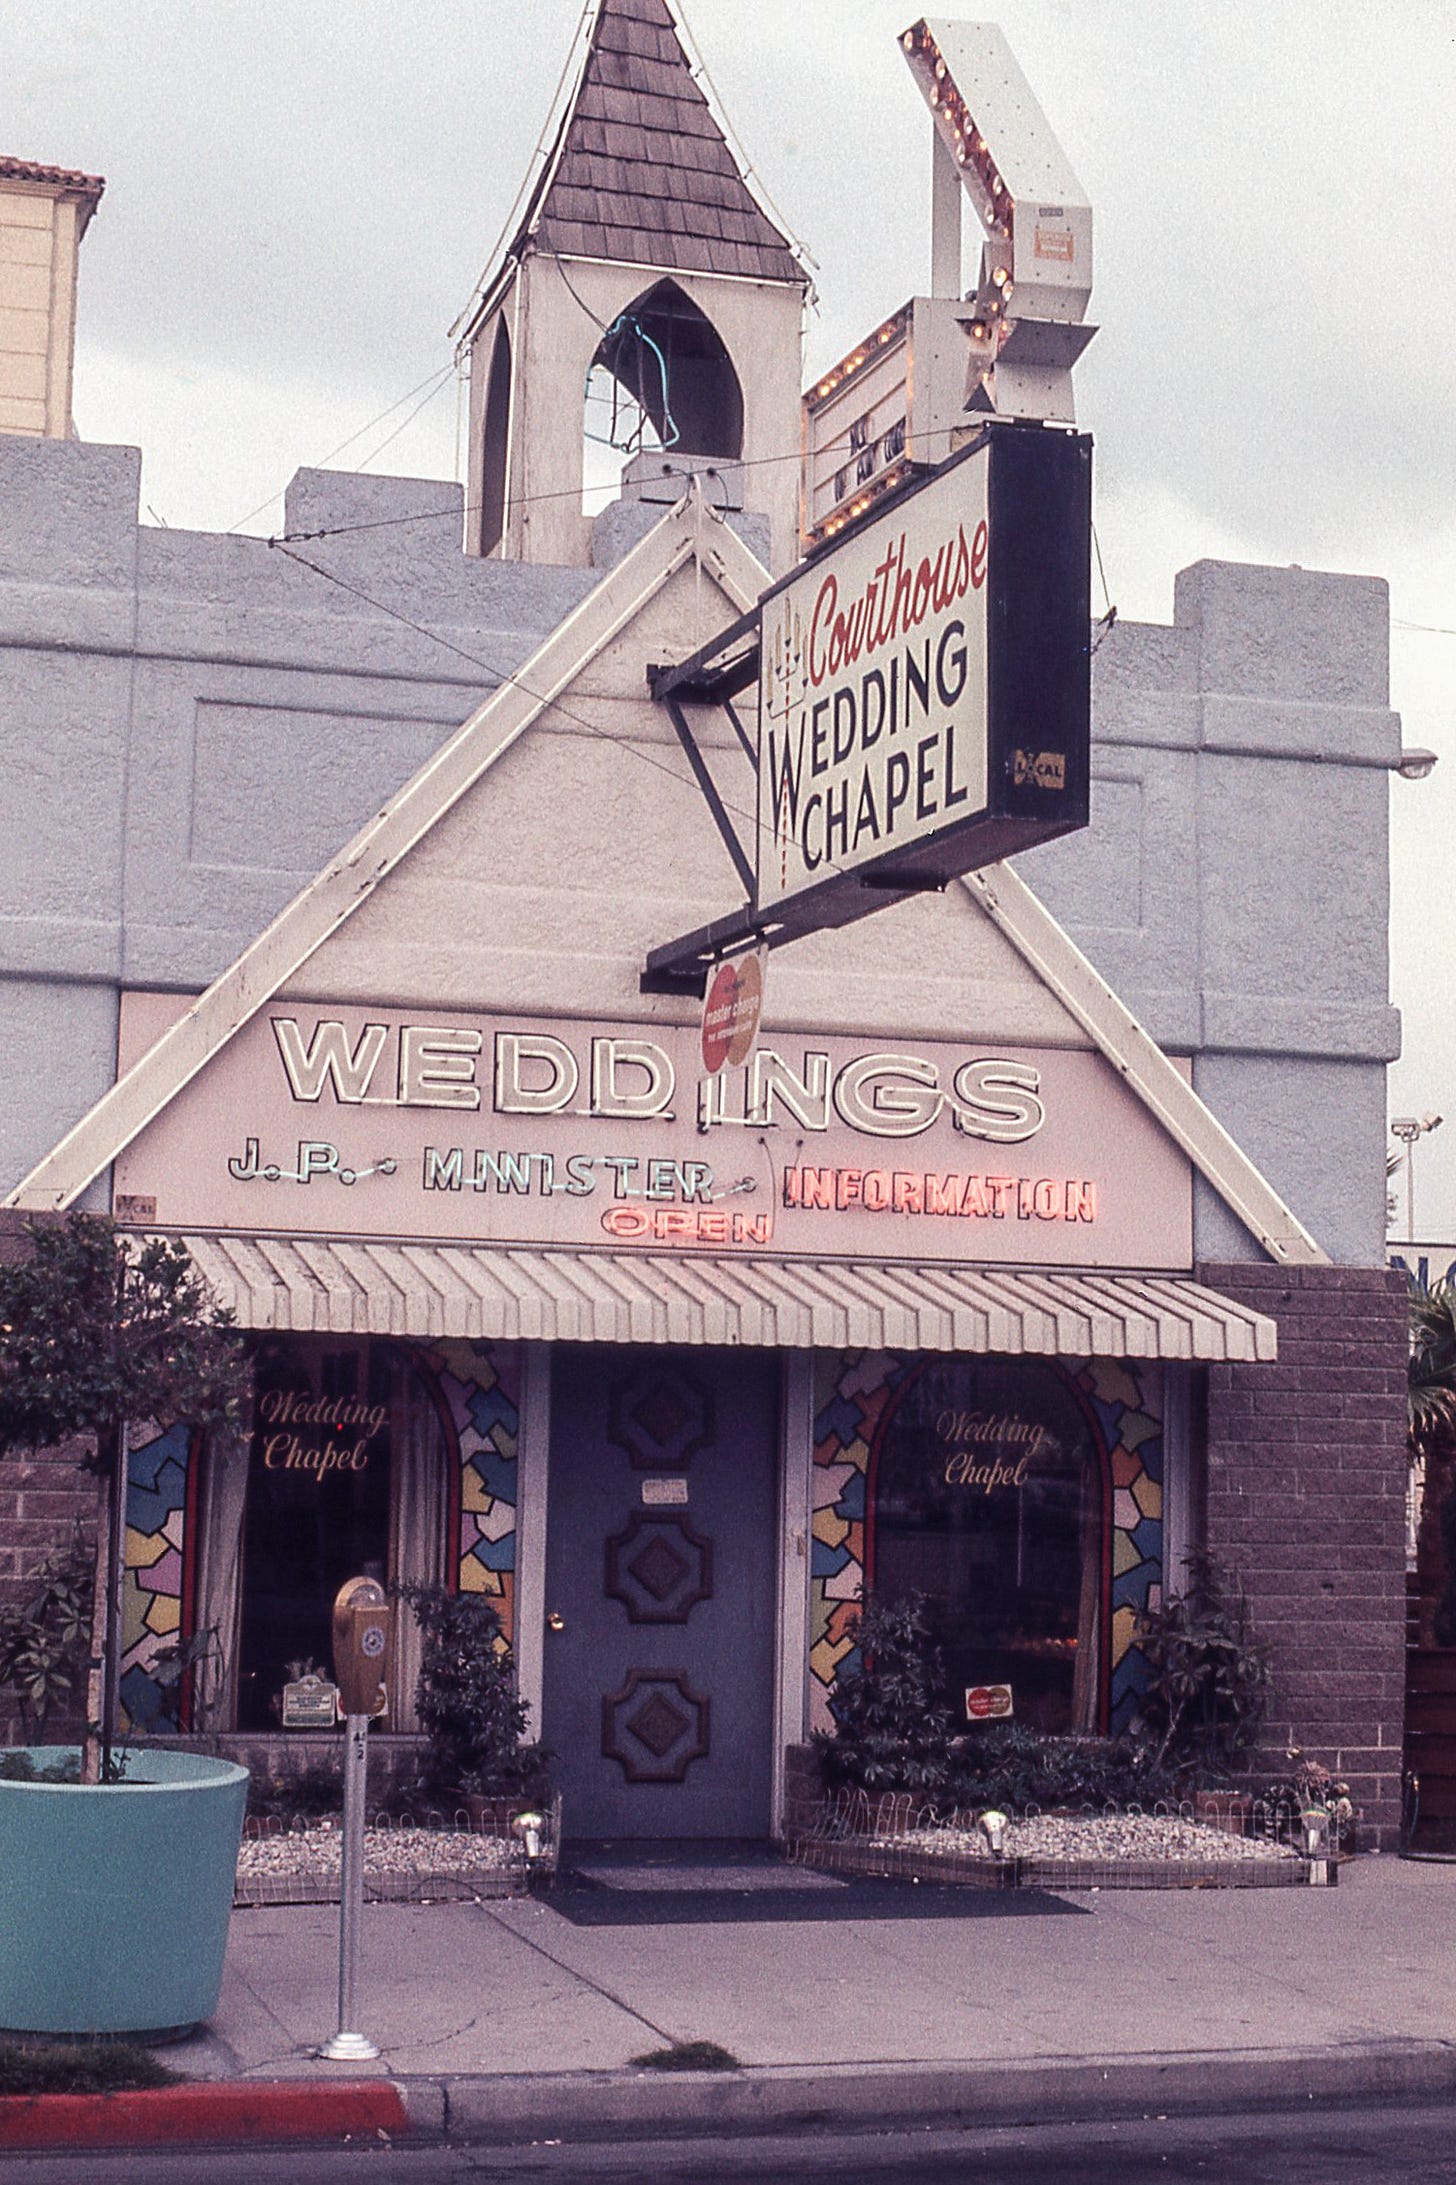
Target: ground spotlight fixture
x,y
994,1825
529,1827
1415,765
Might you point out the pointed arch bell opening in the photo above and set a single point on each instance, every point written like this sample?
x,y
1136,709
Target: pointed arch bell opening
x,y
661,381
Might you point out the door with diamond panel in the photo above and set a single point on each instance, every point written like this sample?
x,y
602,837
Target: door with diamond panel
x,y
661,1569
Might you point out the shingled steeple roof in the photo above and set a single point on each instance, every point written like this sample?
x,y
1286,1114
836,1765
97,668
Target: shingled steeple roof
x,y
641,172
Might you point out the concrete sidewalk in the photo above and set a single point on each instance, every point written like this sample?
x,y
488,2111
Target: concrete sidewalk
x,y
510,2018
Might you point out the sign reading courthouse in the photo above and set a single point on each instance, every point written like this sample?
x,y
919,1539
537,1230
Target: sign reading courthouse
x,y
873,692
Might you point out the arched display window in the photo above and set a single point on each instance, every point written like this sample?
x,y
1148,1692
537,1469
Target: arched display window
x,y
989,1493
348,1474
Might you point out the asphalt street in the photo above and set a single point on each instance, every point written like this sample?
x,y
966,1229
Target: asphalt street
x,y
1368,2146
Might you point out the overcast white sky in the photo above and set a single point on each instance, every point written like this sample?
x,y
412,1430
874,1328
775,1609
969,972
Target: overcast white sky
x,y
301,195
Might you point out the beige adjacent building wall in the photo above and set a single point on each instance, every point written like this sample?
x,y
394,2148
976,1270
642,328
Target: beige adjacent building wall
x,y
42,221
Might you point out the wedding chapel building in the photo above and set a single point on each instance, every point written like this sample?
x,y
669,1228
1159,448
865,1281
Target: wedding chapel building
x,y
1034,1241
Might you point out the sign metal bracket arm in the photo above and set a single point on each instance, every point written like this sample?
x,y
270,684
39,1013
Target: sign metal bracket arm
x,y
741,733
741,862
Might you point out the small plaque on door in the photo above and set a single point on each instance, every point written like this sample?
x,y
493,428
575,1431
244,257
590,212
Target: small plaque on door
x,y
657,1492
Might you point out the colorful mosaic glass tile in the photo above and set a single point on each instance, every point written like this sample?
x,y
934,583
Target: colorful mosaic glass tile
x,y
153,1586
479,1387
476,1386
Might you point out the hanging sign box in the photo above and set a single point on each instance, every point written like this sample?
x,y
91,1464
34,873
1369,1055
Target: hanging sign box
x,y
924,683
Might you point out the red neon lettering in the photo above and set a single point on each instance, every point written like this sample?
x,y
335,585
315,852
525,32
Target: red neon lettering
x,y
909,1192
626,1221
875,1190
817,1187
824,605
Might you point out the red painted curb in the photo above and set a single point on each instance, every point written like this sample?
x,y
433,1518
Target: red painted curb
x,y
229,2110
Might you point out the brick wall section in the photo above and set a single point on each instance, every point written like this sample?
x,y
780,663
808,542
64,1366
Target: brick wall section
x,y
45,1496
1305,1504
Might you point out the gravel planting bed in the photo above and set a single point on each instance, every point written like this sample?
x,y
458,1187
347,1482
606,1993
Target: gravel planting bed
x,y
1109,1851
414,1865
1137,1836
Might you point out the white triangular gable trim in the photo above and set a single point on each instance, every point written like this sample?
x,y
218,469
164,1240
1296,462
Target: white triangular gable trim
x,y
282,949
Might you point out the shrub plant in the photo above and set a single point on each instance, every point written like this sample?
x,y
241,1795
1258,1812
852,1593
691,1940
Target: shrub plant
x,y
467,1701
1208,1676
893,1730
44,1640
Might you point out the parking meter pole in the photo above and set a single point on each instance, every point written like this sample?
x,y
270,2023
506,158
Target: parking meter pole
x,y
349,2046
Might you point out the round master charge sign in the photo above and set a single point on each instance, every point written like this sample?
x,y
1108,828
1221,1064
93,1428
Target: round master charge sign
x,y
988,1702
718,1008
746,1011
731,1013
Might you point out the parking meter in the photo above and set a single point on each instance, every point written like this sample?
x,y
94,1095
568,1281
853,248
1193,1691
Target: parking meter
x,y
361,1643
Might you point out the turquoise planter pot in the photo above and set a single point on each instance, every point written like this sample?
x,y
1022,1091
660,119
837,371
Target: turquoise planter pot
x,y
114,1901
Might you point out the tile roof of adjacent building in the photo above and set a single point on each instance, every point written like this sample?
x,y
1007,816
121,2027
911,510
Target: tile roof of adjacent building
x,y
641,172
88,186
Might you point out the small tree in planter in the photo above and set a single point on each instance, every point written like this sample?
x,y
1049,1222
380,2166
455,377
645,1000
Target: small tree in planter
x,y
98,1334
467,1701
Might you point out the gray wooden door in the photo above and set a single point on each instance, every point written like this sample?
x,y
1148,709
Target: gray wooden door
x,y
661,1573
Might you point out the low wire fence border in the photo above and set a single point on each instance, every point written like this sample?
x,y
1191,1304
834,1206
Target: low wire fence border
x,y
434,1865
864,1833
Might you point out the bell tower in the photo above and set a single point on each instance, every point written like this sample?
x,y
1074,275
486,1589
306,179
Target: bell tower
x,y
643,263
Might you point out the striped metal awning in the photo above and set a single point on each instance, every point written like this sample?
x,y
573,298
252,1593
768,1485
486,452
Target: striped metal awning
x,y
317,1286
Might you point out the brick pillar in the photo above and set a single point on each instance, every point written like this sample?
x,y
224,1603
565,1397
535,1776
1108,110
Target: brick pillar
x,y
1305,1488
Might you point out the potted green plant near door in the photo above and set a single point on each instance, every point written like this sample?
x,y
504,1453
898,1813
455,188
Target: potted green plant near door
x,y
116,1867
478,1756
